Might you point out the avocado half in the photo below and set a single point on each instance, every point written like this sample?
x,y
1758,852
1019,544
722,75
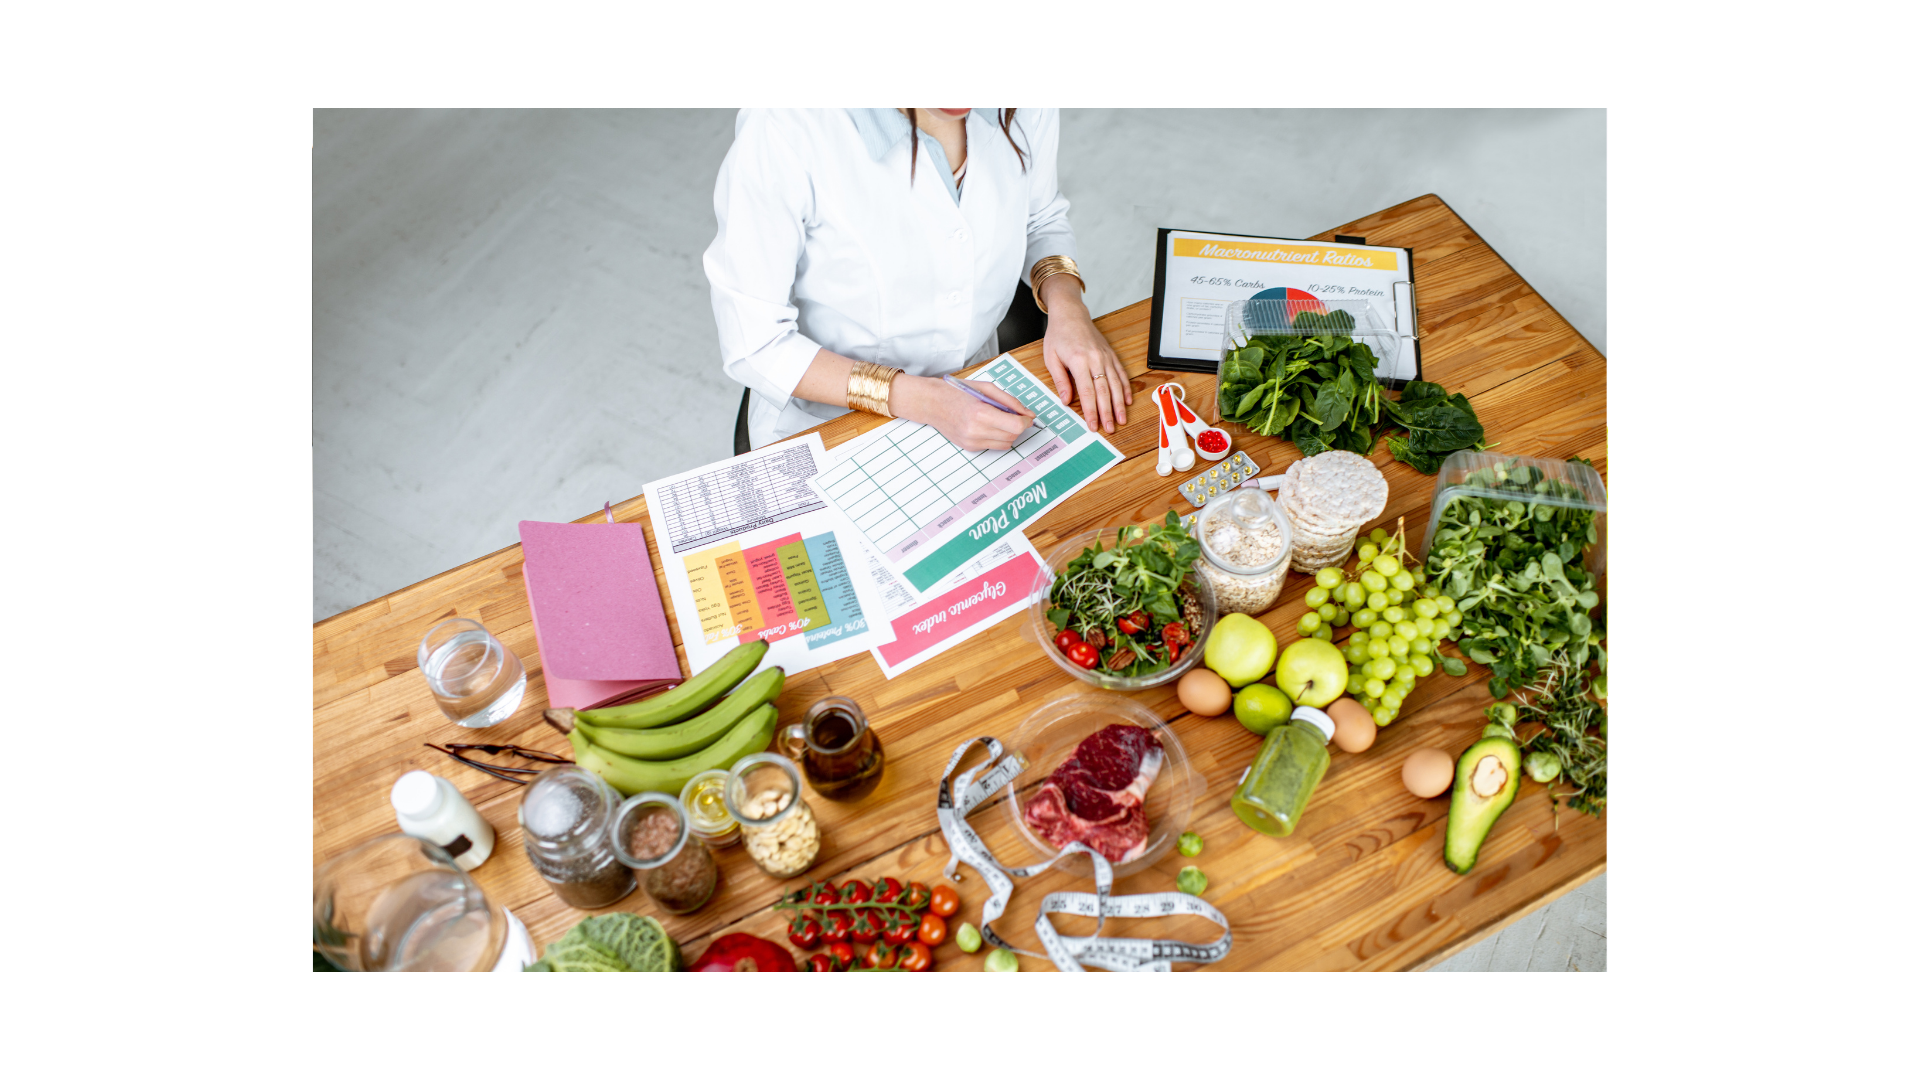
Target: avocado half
x,y
1485,780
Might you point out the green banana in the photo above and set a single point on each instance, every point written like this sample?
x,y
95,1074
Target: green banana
x,y
690,697
688,736
631,776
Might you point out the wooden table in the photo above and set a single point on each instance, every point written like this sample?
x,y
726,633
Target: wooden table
x,y
1359,885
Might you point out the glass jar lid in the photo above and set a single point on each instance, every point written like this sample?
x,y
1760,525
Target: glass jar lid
x,y
636,821
1255,536
566,803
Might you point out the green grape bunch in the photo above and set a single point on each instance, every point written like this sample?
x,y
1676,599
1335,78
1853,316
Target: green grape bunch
x,y
1398,620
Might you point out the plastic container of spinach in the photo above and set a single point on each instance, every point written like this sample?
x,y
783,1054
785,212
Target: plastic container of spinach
x,y
1542,484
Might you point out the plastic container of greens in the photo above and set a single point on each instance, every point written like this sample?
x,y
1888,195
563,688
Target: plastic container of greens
x,y
1301,314
1542,483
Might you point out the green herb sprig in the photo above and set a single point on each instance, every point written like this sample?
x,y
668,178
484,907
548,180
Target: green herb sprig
x,y
1573,729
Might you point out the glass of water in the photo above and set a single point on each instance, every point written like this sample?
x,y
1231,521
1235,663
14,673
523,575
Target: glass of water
x,y
398,903
476,679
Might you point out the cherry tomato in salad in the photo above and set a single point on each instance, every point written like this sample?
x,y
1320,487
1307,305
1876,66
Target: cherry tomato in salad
x,y
1065,639
932,931
1083,654
945,901
1120,659
804,933
917,895
888,891
879,955
1134,623
844,956
820,962
901,932
855,892
916,957
835,926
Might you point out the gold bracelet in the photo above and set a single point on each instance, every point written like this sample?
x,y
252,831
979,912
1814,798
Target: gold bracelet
x,y
870,386
1049,267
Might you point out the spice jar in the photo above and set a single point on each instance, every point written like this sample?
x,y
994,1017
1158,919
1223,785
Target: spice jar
x,y
777,827
565,814
705,801
651,834
1246,541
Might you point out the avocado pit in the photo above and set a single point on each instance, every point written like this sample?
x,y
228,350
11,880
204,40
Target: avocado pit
x,y
1489,776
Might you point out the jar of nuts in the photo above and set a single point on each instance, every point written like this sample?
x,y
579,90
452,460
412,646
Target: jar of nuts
x,y
1247,542
777,827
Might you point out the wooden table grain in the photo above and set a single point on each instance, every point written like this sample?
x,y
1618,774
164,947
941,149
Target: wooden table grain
x,y
1360,885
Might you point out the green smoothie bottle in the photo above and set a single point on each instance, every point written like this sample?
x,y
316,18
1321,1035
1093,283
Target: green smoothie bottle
x,y
1274,792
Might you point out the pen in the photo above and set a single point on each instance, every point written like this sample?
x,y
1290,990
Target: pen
x,y
965,389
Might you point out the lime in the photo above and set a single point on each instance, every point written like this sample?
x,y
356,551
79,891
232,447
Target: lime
x,y
1261,707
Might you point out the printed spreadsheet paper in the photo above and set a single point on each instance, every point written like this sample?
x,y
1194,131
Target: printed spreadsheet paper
x,y
929,508
750,551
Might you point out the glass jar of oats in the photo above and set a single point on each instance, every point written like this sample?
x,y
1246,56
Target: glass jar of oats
x,y
1247,543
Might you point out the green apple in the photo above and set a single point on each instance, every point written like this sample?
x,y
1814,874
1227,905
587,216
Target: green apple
x,y
1241,649
1261,707
1312,672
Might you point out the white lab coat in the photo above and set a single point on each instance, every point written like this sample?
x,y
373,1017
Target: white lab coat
x,y
823,242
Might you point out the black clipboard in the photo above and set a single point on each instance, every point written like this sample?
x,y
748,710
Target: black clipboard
x,y
1157,362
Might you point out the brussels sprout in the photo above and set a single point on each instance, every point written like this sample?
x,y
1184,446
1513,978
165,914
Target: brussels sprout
x,y
967,937
1002,960
1543,766
1191,881
1190,844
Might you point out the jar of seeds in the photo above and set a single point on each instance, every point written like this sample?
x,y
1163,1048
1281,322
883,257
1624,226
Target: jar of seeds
x,y
652,834
565,819
1246,541
777,827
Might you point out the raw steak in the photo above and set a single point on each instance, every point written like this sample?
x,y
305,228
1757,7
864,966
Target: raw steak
x,y
1095,795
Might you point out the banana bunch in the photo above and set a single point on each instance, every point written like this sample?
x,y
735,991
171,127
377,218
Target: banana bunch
x,y
666,740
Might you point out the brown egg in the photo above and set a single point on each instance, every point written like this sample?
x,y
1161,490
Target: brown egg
x,y
1428,772
1353,726
1204,693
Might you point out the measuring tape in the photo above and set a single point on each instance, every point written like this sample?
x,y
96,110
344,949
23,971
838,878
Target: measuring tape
x,y
1066,953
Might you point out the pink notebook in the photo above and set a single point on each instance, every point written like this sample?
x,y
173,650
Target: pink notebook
x,y
596,613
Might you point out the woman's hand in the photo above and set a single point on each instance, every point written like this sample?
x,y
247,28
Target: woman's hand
x,y
1080,359
969,424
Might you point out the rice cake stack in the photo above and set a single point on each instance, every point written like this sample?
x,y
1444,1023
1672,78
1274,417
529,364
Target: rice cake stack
x,y
1328,497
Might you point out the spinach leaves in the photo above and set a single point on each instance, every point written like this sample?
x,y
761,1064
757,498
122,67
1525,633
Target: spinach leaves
x,y
1517,572
1316,387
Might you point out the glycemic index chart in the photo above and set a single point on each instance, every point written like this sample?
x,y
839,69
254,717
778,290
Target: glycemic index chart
x,y
927,506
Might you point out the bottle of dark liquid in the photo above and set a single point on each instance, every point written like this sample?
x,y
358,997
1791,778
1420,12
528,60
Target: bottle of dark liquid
x,y
836,749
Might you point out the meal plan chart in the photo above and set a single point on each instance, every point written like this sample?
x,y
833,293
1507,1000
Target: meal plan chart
x,y
751,552
928,507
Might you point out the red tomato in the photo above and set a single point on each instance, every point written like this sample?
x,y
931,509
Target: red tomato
x,y
916,957
933,930
917,895
855,892
820,962
1083,654
835,926
945,901
866,928
1065,639
825,893
804,933
879,955
899,933
888,890
843,955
